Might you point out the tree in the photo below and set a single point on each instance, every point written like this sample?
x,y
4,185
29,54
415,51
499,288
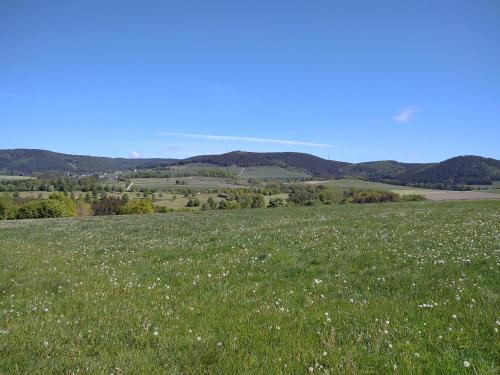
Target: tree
x,y
8,209
193,203
138,206
258,201
88,197
108,206
227,205
212,204
276,202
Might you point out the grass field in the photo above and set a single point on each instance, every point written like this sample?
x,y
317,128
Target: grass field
x,y
349,183
354,289
13,178
434,195
271,171
190,182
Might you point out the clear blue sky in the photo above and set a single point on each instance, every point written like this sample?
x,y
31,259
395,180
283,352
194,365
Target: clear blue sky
x,y
349,80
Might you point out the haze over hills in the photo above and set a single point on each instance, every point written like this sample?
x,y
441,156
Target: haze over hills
x,y
458,170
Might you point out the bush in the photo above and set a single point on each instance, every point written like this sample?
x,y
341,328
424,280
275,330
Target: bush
x,y
108,206
227,205
83,208
371,196
276,202
412,198
68,204
193,203
8,209
212,204
138,206
42,209
300,195
258,201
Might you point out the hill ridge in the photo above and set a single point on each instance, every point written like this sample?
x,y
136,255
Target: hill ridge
x,y
466,169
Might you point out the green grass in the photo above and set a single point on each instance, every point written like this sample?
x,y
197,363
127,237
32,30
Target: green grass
x,y
266,291
190,182
271,171
348,183
14,178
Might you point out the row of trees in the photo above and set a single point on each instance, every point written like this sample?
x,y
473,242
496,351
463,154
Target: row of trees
x,y
86,183
170,172
57,205
60,205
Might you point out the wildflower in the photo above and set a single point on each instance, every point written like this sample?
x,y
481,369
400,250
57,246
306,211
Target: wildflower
x,y
466,364
155,333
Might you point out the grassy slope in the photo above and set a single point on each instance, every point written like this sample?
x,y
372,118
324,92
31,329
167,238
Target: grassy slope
x,y
169,183
271,171
349,183
14,178
254,291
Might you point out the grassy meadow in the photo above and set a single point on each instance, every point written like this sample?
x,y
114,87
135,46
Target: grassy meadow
x,y
13,178
352,289
350,183
263,171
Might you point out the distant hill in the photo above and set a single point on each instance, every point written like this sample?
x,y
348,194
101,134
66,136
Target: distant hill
x,y
457,170
471,170
28,161
296,160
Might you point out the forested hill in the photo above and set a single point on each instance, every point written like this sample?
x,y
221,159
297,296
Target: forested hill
x,y
306,162
461,169
458,170
28,161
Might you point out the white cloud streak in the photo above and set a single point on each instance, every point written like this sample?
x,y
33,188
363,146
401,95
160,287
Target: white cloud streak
x,y
211,137
135,154
406,114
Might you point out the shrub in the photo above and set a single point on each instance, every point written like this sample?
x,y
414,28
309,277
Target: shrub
x,y
300,195
42,209
212,204
193,203
412,198
108,206
83,208
8,209
68,204
276,202
138,206
371,196
258,201
227,205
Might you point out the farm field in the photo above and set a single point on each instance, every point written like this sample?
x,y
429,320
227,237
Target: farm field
x,y
382,288
273,172
13,178
270,171
349,183
433,195
190,182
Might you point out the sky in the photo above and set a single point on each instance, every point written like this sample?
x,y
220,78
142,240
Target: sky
x,y
414,81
